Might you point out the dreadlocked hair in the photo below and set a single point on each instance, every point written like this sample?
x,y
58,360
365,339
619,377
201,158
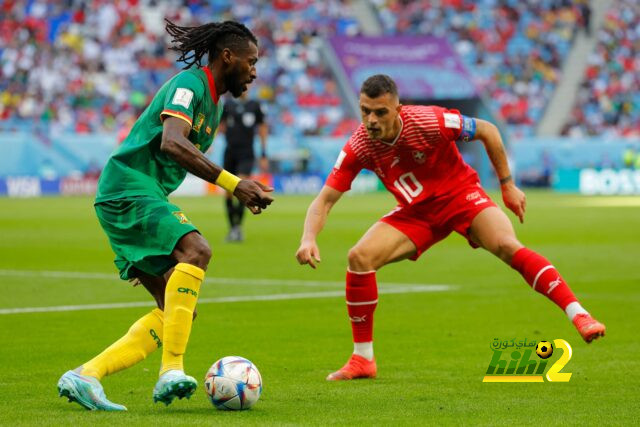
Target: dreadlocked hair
x,y
212,38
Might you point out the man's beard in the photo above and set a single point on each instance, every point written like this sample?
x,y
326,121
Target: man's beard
x,y
234,85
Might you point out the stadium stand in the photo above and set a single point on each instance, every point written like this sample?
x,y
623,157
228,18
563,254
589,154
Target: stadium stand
x,y
92,66
608,101
514,49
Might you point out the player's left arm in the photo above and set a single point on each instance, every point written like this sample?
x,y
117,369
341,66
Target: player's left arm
x,y
513,197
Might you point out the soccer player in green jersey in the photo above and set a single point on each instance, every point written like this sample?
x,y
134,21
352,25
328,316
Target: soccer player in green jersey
x,y
155,243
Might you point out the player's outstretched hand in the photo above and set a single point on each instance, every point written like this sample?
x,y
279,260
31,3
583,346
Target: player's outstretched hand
x,y
308,253
253,195
515,200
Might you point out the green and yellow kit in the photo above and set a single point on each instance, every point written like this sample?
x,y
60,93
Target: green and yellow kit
x,y
131,202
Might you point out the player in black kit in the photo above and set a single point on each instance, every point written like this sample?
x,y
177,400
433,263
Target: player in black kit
x,y
240,119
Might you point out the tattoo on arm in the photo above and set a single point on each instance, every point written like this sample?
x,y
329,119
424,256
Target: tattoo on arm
x,y
505,179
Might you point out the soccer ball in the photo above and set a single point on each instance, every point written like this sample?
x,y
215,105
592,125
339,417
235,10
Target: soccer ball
x,y
233,383
544,349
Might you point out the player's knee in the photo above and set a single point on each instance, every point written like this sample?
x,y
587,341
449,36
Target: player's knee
x,y
505,247
360,259
202,252
199,254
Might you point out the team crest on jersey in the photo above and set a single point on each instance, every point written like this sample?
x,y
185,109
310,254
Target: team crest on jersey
x,y
419,156
181,217
208,130
198,123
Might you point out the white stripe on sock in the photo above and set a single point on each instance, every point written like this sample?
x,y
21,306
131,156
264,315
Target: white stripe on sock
x,y
360,272
362,303
573,309
542,270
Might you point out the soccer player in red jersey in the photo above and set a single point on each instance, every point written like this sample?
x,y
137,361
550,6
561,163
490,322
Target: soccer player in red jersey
x,y
412,150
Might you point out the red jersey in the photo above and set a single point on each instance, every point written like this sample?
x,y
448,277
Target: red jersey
x,y
423,162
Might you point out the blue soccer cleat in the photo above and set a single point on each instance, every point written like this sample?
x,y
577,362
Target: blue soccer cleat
x,y
173,384
86,391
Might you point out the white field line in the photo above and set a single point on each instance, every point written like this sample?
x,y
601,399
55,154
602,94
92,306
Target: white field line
x,y
388,288
74,275
230,299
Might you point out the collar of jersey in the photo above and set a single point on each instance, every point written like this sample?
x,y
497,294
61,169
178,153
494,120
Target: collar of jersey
x,y
397,136
212,85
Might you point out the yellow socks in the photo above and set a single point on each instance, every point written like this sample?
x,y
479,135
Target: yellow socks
x,y
142,339
171,329
180,298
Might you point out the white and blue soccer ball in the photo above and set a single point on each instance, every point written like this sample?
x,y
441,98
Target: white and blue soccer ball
x,y
233,383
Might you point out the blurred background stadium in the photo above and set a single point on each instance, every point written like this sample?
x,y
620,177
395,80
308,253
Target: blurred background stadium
x,y
559,77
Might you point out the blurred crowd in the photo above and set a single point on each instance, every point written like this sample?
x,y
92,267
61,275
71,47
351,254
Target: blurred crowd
x,y
608,101
92,66
514,49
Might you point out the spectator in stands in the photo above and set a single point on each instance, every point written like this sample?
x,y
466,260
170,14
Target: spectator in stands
x,y
608,101
91,62
514,49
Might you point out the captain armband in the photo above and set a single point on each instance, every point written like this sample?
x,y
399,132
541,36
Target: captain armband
x,y
468,132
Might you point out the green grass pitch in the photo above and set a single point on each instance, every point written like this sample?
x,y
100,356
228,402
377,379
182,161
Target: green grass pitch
x,y
432,348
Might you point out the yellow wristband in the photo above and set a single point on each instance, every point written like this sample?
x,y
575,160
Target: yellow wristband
x,y
228,181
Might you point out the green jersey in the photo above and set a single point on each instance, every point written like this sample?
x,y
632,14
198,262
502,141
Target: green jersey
x,y
138,167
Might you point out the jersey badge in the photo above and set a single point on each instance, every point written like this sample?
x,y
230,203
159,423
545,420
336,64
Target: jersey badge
x,y
198,123
341,157
419,156
181,217
395,161
451,121
182,97
208,130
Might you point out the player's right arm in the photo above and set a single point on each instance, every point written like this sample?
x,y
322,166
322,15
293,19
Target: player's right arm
x,y
339,181
308,252
175,144
182,95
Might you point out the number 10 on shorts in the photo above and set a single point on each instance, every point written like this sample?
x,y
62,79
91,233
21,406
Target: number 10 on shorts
x,y
409,190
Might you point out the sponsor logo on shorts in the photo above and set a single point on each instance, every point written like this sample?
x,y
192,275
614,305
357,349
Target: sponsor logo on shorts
x,y
473,196
181,216
188,291
481,201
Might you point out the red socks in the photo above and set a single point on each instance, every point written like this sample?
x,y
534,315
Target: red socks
x,y
542,277
362,299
